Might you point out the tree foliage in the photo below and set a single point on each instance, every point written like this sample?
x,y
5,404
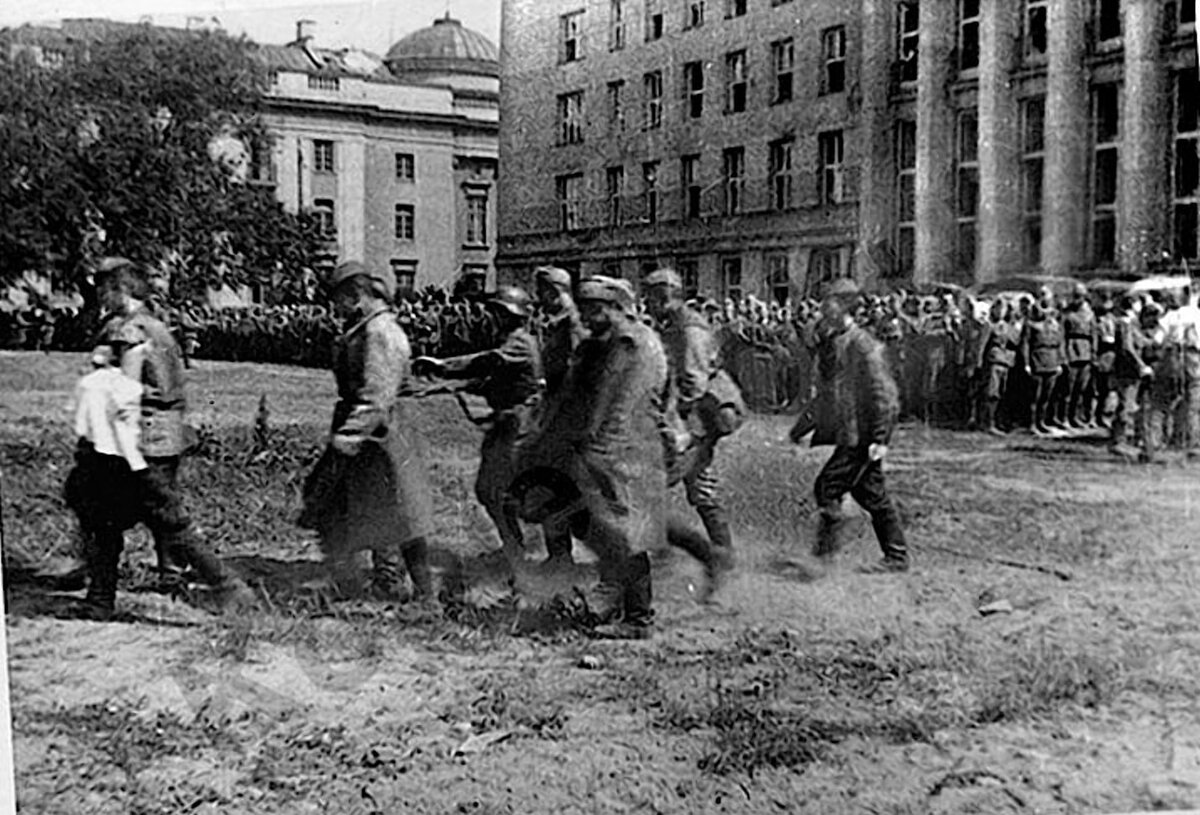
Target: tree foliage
x,y
141,144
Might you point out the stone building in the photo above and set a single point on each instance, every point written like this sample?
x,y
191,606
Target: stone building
x,y
767,146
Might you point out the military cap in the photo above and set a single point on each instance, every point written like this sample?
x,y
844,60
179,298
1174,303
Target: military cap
x,y
354,268
553,275
665,277
607,289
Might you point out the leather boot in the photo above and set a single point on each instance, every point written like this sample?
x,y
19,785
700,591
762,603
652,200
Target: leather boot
x,y
891,539
829,524
557,537
387,582
416,558
637,614
104,559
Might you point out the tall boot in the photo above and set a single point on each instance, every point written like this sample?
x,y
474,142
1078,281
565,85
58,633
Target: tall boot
x,y
230,592
721,562
557,536
829,524
416,559
637,596
890,535
104,557
387,583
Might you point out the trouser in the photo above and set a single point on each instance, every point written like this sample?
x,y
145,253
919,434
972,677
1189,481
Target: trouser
x,y
495,476
850,470
385,562
1125,410
1156,410
1079,377
995,382
1103,384
1187,414
1043,391
701,486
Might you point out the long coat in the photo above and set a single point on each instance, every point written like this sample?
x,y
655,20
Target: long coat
x,y
857,402
380,497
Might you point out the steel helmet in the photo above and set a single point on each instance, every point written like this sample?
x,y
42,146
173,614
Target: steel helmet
x,y
512,299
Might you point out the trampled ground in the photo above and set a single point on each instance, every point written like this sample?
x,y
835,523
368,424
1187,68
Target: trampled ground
x,y
840,694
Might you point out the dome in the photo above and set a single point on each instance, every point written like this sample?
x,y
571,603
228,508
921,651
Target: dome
x,y
444,47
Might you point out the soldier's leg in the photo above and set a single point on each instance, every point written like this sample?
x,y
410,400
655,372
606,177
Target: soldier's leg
x,y
491,489
701,487
1153,416
557,535
1080,375
103,553
166,471
416,559
870,492
836,479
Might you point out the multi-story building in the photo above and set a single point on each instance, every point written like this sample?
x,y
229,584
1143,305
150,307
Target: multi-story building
x,y
767,146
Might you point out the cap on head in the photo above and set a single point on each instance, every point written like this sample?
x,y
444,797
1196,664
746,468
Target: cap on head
x,y
554,276
385,279
511,299
664,277
607,290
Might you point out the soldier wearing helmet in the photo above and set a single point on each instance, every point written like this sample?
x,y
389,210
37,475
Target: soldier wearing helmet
x,y
509,378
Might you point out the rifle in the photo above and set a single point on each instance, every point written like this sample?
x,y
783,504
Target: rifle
x,y
455,389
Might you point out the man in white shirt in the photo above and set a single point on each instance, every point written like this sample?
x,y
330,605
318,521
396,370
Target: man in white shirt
x,y
1181,326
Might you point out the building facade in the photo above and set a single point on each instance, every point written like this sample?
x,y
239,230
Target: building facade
x,y
768,146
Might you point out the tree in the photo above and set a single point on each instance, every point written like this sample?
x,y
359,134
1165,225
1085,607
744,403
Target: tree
x,y
139,144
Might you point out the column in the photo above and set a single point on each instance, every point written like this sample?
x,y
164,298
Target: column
x,y
935,143
877,178
999,141
1142,187
1065,198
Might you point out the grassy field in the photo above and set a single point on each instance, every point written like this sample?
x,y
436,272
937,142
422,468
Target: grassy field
x,y
796,693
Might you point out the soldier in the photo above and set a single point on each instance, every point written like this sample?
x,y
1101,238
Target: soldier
x,y
997,354
370,489
1160,395
1079,326
1182,327
1106,358
1129,371
1043,352
696,378
509,378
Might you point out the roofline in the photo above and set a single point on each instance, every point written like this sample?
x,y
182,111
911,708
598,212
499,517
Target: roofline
x,y
375,112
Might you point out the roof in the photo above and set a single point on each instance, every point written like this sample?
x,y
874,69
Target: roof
x,y
304,58
445,47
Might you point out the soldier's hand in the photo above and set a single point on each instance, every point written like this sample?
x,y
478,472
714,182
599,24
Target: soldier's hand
x,y
876,452
345,445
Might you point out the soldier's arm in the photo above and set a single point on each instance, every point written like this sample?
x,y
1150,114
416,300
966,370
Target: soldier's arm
x,y
616,391
697,368
880,391
368,416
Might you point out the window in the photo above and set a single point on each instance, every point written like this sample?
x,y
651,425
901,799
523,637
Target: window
x,y
322,83
323,216
406,166
1106,113
53,57
733,176
779,277
731,278
966,192
779,2
652,85
829,148
570,118
611,268
654,21
1108,19
569,189
735,82
833,49
406,275
1033,145
909,41
571,42
477,218
474,278
616,25
968,35
693,14
693,88
323,156
405,226
906,197
1187,13
689,181
262,163
1035,28
689,274
735,8
650,192
1185,214
824,267
614,184
783,59
780,172
616,106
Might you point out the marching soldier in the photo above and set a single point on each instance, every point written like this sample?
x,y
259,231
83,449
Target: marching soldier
x,y
699,389
509,378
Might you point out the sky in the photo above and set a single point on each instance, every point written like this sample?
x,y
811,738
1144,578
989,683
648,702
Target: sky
x,y
372,25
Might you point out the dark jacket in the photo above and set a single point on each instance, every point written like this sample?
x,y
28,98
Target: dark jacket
x,y
999,343
1042,345
1079,325
161,375
857,401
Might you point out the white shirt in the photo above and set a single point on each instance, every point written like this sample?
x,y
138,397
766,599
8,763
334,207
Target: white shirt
x,y
108,414
1182,325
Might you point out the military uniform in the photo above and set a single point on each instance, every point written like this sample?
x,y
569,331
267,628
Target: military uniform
x,y
1128,371
1079,328
1102,371
1043,351
998,353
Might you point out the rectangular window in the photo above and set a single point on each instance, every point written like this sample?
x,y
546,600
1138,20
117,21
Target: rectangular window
x,y
735,82
731,278
406,275
783,62
1033,144
654,21
477,218
833,50
323,83
616,106
652,86
1035,28
733,176
693,14
966,193
614,188
569,189
1187,13
779,2
693,88
735,8
323,156
650,191
1108,19
779,277
829,148
909,37
571,41
405,222
1106,118
324,216
1185,212
780,174
616,25
906,197
570,118
968,35
406,167
689,182
689,274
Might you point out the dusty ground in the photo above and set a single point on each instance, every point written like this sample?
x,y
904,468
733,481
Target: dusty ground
x,y
844,693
